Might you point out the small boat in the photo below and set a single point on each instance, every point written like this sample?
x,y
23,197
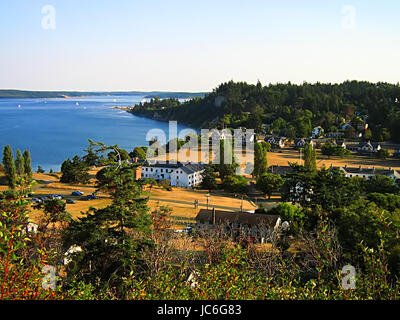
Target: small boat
x,y
115,100
19,106
77,104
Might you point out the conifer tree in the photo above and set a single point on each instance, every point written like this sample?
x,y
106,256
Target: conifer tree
x,y
27,164
260,159
9,167
20,163
310,158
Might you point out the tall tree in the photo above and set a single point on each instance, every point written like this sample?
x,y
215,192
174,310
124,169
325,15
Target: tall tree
x,y
9,167
260,159
113,237
27,164
20,163
226,169
310,158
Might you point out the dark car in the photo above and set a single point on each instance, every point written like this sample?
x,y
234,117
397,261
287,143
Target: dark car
x,y
90,197
77,193
70,201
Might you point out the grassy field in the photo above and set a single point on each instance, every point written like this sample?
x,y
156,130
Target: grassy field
x,y
289,155
286,155
181,201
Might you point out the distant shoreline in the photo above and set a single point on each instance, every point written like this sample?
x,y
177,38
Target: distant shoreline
x,y
20,94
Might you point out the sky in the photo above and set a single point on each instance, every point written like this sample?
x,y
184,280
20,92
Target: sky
x,y
176,45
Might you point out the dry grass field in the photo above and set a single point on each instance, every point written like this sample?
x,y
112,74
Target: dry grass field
x,y
289,155
286,155
181,201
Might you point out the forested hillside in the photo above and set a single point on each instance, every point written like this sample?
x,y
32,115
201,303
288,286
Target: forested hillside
x,y
289,109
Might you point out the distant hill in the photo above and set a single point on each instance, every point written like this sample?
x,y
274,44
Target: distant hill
x,y
369,110
20,94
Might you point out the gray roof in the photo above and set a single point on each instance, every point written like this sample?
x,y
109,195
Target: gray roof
x,y
163,164
281,170
192,168
250,219
371,171
188,168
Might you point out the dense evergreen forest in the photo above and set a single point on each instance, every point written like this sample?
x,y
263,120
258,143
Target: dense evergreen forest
x,y
289,109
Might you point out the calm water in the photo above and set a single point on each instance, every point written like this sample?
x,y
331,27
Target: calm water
x,y
57,129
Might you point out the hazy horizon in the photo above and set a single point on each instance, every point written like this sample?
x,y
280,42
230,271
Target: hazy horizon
x,y
191,91
194,46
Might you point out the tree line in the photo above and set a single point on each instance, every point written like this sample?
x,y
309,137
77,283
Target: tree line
x,y
290,110
17,169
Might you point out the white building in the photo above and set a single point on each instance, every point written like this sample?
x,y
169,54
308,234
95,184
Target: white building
x,y
368,173
186,175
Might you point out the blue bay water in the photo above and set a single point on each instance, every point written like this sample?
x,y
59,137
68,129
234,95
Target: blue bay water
x,y
56,129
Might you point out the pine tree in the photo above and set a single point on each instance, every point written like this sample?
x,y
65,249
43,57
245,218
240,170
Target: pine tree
x,y
27,164
310,158
20,164
9,167
260,159
209,178
226,169
115,236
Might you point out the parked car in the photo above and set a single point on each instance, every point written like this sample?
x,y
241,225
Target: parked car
x,y
90,197
70,201
36,200
187,229
56,196
77,193
184,230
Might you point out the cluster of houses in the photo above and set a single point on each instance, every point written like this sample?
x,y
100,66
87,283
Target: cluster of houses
x,y
349,172
365,148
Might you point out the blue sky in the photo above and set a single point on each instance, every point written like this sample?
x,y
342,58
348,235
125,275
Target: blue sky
x,y
195,45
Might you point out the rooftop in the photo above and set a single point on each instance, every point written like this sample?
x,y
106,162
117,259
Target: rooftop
x,y
243,218
186,167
